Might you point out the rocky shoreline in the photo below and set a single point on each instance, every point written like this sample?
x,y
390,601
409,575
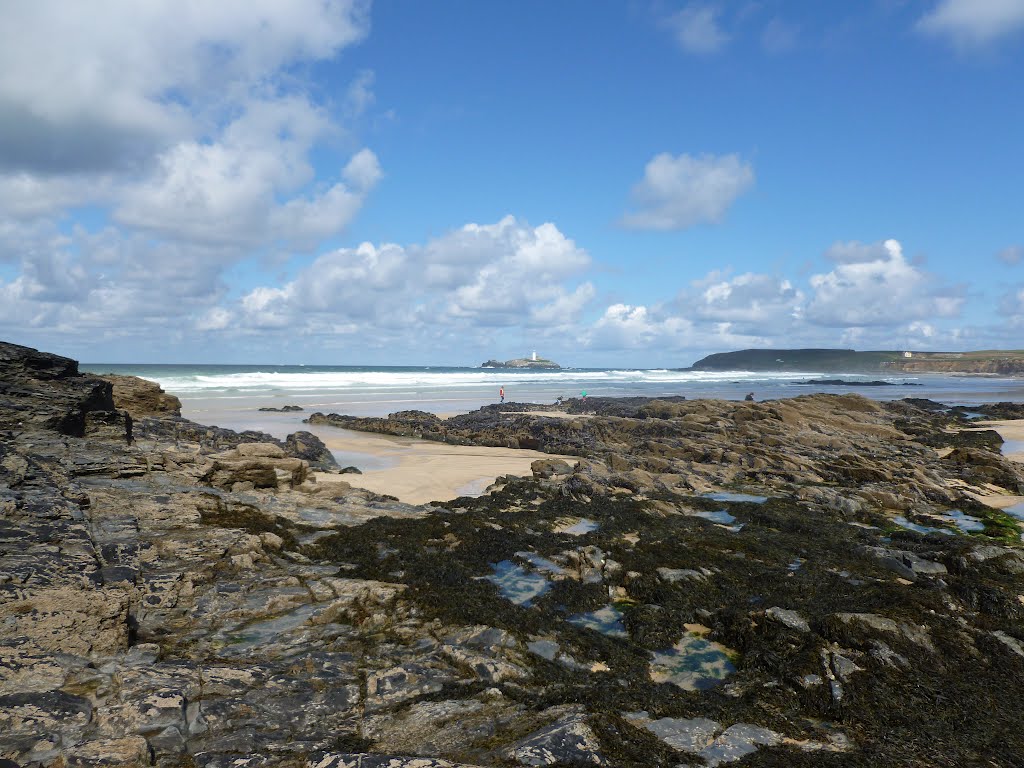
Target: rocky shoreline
x,y
787,583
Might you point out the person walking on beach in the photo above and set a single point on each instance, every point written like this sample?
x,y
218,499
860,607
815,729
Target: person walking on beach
x,y
501,393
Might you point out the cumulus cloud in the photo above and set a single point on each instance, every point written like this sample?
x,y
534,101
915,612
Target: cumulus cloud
x,y
874,285
103,86
697,30
502,275
751,299
663,327
974,23
624,326
188,131
229,191
682,191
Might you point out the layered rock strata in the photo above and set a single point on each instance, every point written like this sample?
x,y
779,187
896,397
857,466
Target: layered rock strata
x,y
711,583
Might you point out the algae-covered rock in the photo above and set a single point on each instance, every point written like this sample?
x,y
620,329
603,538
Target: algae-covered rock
x,y
772,583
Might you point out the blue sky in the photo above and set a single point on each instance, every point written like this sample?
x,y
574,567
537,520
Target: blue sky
x,y
635,183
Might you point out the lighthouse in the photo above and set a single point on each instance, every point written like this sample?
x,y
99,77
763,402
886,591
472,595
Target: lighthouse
x,y
533,357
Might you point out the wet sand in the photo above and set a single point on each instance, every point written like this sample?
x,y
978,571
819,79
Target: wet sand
x,y
1012,432
421,471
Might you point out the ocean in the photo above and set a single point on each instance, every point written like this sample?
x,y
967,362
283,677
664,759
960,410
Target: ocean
x,y
231,395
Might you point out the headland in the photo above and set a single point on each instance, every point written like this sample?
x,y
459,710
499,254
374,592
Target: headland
x,y
810,581
1001,362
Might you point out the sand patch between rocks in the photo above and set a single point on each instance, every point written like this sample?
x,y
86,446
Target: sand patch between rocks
x,y
424,470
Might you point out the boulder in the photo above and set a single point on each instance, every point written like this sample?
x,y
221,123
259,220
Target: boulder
x,y
141,398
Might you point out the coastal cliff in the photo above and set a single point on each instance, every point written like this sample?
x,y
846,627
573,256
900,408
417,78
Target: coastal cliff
x,y
803,582
993,363
1001,362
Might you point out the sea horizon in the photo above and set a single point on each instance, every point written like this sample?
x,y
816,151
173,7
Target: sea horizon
x,y
230,395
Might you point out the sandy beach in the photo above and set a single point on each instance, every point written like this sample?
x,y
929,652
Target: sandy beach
x,y
420,471
1012,432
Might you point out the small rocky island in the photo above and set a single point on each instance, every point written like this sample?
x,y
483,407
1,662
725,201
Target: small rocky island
x,y
523,362
802,582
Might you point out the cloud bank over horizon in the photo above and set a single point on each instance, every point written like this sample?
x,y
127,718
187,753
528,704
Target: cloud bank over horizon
x,y
249,181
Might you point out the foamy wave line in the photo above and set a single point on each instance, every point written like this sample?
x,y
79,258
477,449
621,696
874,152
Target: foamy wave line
x,y
383,380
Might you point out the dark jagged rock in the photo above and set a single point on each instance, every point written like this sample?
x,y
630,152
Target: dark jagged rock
x,y
846,383
625,407
283,409
192,598
998,410
311,449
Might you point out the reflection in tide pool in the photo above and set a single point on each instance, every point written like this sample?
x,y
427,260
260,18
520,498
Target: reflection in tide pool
x,y
965,523
540,563
721,516
694,664
576,526
1017,511
1012,446
517,584
736,497
607,621
902,522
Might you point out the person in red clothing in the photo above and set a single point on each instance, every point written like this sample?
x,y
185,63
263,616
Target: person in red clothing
x,y
501,393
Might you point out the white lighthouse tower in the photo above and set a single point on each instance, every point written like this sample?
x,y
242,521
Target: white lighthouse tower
x,y
533,357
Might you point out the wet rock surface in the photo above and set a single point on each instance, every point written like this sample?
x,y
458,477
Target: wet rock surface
x,y
172,594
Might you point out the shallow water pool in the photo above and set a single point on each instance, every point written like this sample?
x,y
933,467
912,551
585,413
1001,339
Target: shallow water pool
x,y
902,522
736,497
607,621
693,664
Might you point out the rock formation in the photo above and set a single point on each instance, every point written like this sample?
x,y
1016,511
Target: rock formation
x,y
523,362
142,398
790,583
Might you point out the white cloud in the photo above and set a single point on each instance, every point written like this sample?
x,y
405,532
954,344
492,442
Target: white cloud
x,y
189,130
502,275
757,301
665,329
104,85
874,285
680,192
856,252
215,319
228,192
974,23
28,196
697,30
1011,255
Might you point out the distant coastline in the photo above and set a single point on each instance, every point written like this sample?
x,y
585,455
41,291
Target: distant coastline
x,y
992,362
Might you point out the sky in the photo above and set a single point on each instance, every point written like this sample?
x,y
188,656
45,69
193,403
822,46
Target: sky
x,y
635,183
